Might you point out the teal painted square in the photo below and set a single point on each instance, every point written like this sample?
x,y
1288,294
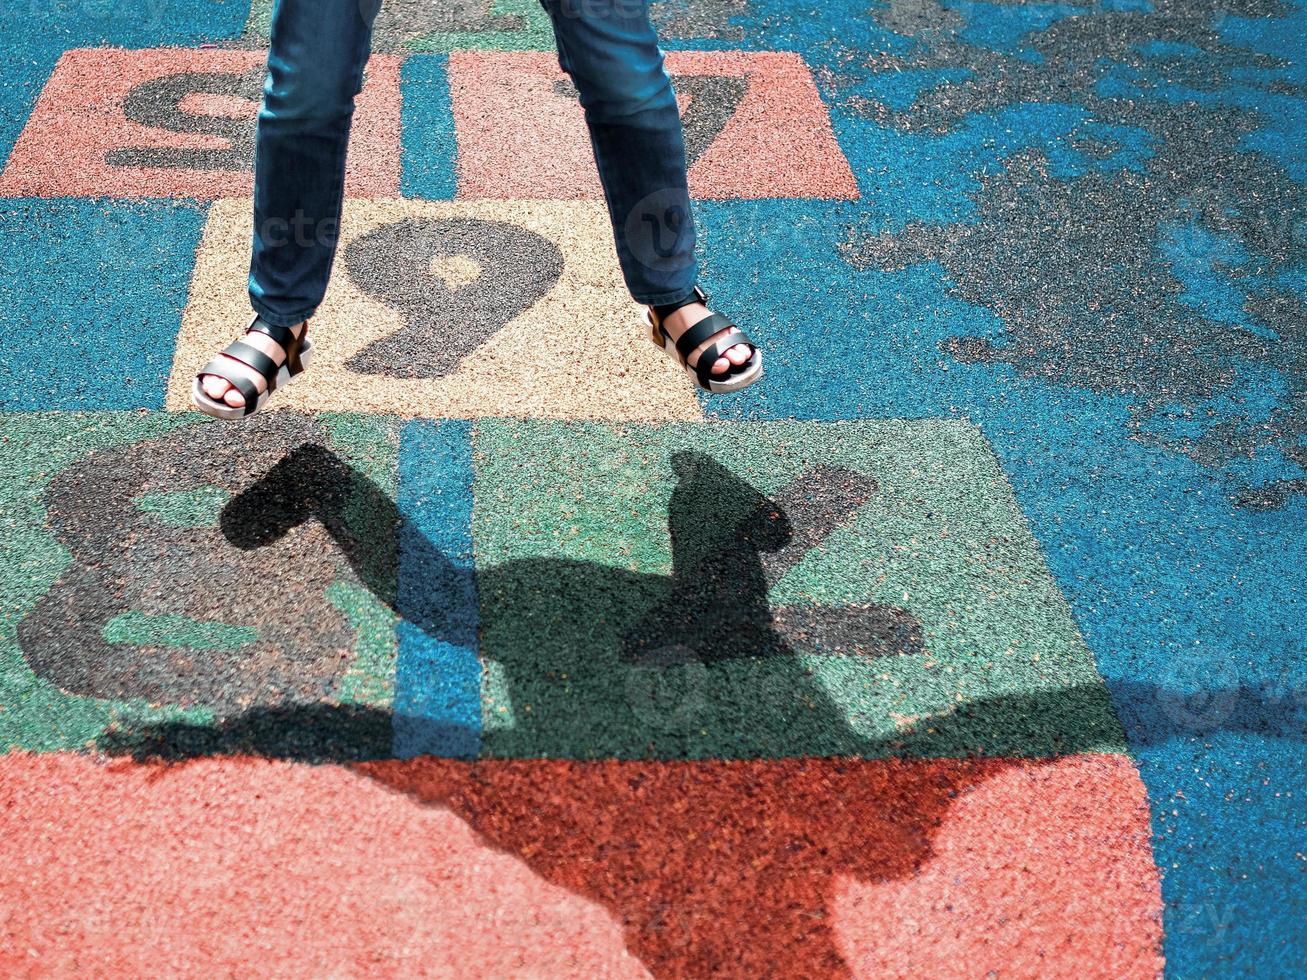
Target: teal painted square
x,y
880,595
178,586
93,292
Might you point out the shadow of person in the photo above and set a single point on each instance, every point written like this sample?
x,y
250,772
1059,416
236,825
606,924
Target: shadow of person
x,y
590,661
731,545
586,660
665,747
716,867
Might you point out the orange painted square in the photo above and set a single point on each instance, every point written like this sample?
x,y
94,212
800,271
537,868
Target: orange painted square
x,y
430,867
521,135
84,119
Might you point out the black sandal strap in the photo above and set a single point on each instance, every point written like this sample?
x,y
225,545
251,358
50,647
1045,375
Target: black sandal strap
x,y
722,345
703,371
663,310
286,339
703,366
282,335
701,331
293,365
256,359
242,382
735,369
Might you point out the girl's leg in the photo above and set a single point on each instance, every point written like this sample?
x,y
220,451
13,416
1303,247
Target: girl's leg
x,y
317,52
610,50
316,56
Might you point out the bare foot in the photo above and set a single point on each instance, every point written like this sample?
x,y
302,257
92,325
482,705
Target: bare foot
x,y
221,390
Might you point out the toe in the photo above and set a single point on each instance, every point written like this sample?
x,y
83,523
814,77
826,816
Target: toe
x,y
234,398
720,365
214,386
739,354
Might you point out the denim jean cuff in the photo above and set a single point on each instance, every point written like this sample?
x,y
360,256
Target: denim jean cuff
x,y
279,319
659,299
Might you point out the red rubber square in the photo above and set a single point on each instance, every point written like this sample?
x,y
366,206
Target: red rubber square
x,y
755,126
176,122
796,867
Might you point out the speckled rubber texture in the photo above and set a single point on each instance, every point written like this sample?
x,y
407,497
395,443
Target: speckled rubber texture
x,y
808,867
177,123
968,641
146,583
733,616
452,309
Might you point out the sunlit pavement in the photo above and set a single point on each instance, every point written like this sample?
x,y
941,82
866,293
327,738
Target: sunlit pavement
x,y
968,641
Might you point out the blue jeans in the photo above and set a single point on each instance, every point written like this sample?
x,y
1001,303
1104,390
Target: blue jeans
x,y
316,57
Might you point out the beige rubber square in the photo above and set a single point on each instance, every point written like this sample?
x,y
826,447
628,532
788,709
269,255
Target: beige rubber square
x,y
451,309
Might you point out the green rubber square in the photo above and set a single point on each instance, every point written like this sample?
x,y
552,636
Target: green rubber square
x,y
742,590
166,568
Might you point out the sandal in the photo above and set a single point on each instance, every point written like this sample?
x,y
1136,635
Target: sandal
x,y
298,353
739,376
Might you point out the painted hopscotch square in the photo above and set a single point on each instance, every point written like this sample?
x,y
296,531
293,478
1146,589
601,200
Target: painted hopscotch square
x,y
177,122
164,569
787,868
452,309
768,590
755,126
93,293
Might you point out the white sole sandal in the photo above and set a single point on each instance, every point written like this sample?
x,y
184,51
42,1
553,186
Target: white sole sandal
x,y
739,376
299,351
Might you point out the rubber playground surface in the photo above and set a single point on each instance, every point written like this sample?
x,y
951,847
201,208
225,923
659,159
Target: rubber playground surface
x,y
969,642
